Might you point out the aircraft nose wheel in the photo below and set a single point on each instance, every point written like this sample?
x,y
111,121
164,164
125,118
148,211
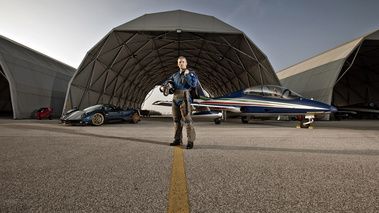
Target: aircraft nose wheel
x,y
303,124
306,124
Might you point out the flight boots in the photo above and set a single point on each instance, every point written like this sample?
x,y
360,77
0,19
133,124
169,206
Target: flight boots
x,y
189,145
177,142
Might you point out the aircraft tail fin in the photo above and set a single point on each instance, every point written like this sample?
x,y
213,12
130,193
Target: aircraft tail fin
x,y
202,92
198,92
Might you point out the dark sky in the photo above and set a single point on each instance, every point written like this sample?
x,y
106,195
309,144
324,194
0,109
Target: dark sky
x,y
287,31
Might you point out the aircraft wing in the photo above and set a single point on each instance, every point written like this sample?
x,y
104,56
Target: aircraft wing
x,y
163,103
196,106
215,107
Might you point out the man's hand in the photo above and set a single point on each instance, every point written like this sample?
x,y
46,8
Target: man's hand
x,y
186,72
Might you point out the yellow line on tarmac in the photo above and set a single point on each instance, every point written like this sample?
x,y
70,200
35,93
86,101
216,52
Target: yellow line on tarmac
x,y
178,196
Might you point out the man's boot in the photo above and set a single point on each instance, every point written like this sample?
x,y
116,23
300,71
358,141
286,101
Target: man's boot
x,y
190,145
177,142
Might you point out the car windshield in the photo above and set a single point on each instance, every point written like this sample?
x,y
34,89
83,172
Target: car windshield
x,y
92,108
272,91
42,109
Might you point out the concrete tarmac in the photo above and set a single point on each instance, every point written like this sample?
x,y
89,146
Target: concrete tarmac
x,y
262,166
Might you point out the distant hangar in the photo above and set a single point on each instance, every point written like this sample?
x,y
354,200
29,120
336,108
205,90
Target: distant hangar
x,y
346,75
124,66
30,80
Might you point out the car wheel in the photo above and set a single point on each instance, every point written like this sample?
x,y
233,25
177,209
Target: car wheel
x,y
135,118
97,119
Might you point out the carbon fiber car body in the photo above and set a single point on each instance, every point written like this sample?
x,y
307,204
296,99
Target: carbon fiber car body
x,y
99,114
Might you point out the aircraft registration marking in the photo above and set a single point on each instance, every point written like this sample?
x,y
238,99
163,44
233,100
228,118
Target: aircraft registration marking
x,y
178,195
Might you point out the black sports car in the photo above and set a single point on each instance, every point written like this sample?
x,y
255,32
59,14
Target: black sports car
x,y
100,113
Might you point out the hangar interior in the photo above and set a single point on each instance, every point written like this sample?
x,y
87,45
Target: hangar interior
x,y
5,95
346,76
124,66
358,81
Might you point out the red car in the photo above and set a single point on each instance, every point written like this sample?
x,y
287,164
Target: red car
x,y
43,113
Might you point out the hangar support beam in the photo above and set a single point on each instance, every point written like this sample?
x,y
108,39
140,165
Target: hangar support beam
x,y
134,57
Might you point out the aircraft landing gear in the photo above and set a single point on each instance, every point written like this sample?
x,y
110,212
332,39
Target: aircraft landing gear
x,y
222,118
306,124
217,121
244,119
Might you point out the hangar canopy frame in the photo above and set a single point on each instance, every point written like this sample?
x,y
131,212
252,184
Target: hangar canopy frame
x,y
124,66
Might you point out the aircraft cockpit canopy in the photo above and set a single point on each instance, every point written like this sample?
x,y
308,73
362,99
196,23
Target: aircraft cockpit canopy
x,y
272,91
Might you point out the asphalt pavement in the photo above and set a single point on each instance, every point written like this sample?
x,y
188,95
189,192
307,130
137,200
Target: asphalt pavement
x,y
262,166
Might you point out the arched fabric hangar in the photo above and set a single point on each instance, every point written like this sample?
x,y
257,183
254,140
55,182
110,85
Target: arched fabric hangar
x,y
343,76
133,58
30,80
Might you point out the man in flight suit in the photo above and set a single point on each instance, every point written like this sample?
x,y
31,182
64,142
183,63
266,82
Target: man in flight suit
x,y
183,80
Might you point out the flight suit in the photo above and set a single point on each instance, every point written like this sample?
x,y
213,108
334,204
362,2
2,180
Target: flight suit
x,y
181,107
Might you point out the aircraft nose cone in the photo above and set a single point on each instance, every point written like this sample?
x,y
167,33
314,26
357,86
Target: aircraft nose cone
x,y
333,109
